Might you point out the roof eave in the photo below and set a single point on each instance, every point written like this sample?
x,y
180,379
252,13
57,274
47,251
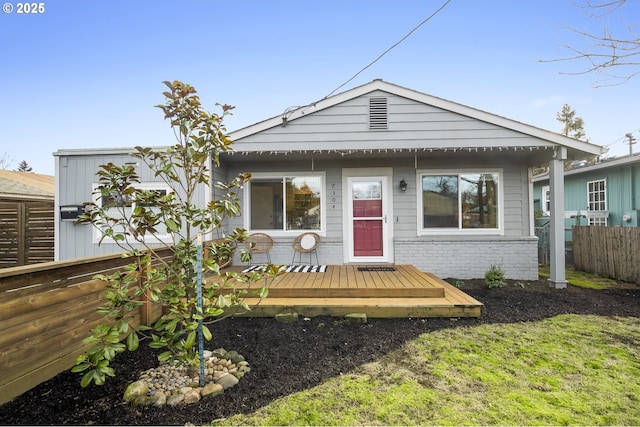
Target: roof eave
x,y
573,145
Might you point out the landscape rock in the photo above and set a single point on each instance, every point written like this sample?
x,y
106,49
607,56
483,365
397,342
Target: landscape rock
x,y
230,355
159,399
235,357
219,352
212,389
175,399
136,393
227,381
169,384
185,390
192,396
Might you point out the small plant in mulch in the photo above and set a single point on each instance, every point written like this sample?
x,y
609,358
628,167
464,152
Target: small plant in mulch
x,y
494,277
459,283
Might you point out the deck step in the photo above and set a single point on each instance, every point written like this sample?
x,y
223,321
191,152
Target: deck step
x,y
372,307
344,289
356,292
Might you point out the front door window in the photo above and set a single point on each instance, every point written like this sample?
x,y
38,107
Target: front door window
x,y
367,218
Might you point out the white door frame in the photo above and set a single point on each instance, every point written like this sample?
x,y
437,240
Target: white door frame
x,y
386,176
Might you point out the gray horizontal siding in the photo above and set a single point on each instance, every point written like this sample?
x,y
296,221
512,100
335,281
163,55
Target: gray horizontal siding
x,y
76,176
516,201
404,218
411,125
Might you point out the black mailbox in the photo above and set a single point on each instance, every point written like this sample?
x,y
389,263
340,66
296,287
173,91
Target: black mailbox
x,y
70,213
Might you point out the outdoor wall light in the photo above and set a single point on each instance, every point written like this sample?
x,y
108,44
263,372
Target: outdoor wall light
x,y
403,185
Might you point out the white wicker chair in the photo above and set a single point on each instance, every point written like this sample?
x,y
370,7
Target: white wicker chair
x,y
306,243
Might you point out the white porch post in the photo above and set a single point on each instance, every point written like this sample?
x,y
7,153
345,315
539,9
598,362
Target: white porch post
x,y
557,277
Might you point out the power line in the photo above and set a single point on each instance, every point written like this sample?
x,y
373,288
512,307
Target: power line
x,y
621,139
290,110
391,48
624,139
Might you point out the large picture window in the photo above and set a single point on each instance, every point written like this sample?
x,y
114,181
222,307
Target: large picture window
x,y
286,203
468,201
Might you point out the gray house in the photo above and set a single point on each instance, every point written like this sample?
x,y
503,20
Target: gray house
x,y
76,182
385,175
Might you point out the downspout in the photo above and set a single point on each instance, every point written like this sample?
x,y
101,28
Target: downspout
x,y
557,278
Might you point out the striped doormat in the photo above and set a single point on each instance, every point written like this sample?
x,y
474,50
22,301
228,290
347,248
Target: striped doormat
x,y
293,268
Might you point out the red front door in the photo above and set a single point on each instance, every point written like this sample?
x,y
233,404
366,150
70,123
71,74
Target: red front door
x,y
368,218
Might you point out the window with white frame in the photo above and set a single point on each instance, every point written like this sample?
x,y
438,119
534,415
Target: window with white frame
x,y
285,202
460,202
122,206
597,200
546,200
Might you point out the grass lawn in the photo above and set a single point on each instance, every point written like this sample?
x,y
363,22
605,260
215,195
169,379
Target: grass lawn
x,y
567,370
581,278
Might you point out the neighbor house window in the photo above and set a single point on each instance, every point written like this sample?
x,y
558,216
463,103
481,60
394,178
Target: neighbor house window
x,y
286,203
546,200
597,200
456,202
118,207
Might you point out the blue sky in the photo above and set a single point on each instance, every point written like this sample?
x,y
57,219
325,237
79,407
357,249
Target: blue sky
x,y
87,74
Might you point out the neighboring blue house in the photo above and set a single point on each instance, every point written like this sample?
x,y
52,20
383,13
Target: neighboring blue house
x,y
604,193
385,175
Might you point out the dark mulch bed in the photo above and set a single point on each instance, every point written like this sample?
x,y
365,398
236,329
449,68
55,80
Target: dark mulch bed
x,y
286,358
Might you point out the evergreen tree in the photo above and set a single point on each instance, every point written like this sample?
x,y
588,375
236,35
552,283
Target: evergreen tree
x,y
24,167
572,125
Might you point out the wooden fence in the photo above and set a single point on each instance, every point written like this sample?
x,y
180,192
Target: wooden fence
x,y
26,233
46,310
608,251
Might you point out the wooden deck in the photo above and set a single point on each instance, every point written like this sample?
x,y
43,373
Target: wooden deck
x,y
344,289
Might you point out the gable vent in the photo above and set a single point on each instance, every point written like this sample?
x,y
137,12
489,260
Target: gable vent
x,y
377,113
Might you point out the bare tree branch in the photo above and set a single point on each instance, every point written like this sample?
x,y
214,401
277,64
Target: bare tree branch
x,y
5,161
606,51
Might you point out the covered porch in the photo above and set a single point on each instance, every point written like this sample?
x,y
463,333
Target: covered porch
x,y
379,291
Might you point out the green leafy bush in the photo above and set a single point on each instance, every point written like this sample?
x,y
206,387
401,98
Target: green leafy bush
x,y
494,277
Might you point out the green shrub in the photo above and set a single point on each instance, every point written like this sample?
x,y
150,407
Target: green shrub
x,y
494,277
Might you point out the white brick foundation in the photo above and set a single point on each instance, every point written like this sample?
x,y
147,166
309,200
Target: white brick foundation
x,y
470,259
